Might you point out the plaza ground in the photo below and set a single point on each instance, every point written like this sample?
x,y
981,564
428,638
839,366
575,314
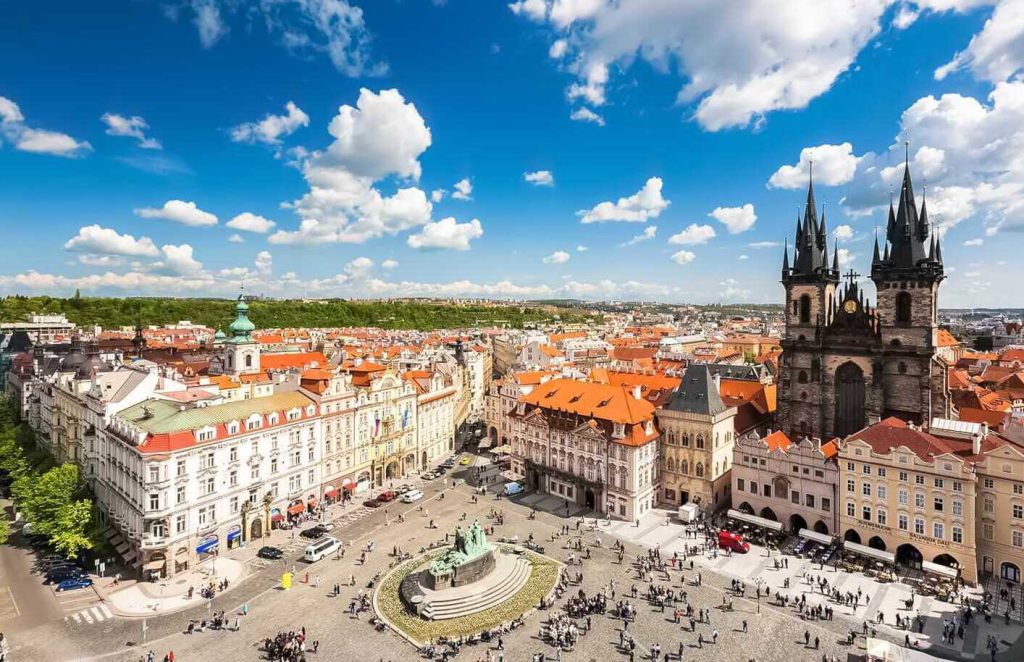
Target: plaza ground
x,y
773,633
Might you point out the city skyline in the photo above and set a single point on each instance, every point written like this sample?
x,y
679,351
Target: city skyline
x,y
332,149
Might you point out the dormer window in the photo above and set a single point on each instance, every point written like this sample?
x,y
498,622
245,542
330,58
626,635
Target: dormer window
x,y
649,427
233,427
620,430
273,419
206,434
254,422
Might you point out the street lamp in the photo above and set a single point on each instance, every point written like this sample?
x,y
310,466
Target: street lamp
x,y
246,507
757,586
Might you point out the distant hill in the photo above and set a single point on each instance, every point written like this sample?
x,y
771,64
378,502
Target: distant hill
x,y
218,313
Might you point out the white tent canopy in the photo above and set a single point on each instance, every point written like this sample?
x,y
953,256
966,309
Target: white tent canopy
x,y
771,525
816,537
864,550
939,569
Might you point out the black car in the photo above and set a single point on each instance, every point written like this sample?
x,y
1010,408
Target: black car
x,y
313,532
270,553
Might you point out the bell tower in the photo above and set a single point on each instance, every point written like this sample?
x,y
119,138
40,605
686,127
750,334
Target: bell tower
x,y
810,283
241,352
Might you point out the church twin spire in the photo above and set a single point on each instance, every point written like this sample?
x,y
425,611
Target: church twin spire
x,y
810,246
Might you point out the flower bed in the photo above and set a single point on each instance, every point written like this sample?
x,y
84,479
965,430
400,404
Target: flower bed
x,y
389,605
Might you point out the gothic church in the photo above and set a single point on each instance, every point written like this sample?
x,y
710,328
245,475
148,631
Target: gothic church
x,y
846,364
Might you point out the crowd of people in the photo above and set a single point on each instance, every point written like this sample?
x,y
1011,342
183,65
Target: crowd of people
x,y
289,646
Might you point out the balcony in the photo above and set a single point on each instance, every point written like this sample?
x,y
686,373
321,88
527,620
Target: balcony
x,y
149,541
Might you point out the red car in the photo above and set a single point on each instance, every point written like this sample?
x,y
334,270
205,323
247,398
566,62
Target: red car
x,y
734,542
386,496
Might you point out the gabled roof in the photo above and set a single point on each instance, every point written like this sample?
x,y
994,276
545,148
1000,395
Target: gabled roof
x,y
600,401
697,394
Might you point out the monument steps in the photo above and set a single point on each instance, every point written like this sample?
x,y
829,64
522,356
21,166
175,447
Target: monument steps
x,y
483,596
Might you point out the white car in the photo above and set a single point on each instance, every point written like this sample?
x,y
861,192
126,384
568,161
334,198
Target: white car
x,y
412,496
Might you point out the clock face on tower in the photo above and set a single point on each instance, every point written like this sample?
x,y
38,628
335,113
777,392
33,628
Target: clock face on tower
x,y
850,306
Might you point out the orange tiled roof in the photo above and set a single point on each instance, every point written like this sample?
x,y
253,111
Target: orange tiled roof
x,y
559,337
287,360
947,339
777,441
602,401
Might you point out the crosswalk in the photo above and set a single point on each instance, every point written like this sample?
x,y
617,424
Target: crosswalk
x,y
91,615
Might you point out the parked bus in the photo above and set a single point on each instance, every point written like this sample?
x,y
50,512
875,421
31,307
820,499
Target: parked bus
x,y
321,548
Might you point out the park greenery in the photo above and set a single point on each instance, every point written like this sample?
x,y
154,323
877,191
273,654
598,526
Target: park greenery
x,y
111,312
52,498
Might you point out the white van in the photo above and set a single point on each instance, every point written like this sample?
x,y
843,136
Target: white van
x,y
321,548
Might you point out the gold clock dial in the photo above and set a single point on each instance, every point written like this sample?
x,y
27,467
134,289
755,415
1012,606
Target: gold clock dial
x,y
850,307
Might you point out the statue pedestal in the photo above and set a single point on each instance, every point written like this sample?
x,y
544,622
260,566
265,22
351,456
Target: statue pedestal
x,y
463,574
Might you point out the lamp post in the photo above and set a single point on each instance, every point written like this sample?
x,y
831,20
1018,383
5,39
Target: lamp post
x,y
757,584
268,499
246,507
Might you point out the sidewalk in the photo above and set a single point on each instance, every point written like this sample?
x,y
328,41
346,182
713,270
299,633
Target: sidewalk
x,y
150,598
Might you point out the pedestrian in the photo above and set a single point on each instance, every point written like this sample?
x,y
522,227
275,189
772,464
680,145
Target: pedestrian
x,y
237,624
744,626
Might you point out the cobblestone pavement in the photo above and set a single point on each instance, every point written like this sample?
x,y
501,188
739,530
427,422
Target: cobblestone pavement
x,y
773,634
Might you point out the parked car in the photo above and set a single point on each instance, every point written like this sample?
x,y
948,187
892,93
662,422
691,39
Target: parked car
x,y
52,561
440,471
74,583
429,476
465,461
270,553
733,542
412,496
313,532
371,503
386,496
59,574
403,488
511,489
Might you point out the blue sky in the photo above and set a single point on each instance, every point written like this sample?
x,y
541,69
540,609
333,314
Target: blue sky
x,y
145,146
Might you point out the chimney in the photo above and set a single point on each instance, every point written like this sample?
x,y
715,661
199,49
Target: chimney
x,y
978,438
636,391
718,382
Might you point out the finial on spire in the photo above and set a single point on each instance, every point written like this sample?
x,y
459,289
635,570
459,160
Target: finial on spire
x,y
906,155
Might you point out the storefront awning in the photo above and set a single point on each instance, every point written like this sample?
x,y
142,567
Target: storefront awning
x,y
815,536
939,569
234,535
296,508
277,517
864,550
504,449
510,475
312,504
485,443
330,492
771,525
152,566
206,546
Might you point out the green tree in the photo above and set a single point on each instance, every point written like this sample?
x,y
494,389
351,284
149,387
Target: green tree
x,y
69,536
5,528
44,499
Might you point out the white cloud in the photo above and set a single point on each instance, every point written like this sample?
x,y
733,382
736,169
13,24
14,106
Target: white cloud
x,y
731,290
558,49
586,115
359,267
649,233
843,233
250,222
105,261
581,249
38,141
383,135
974,242
683,257
389,264
765,244
437,195
177,261
846,258
540,178
463,189
264,263
106,241
558,257
271,128
334,28
738,60
736,219
997,52
236,239
130,127
446,234
744,257
179,211
833,165
645,204
694,234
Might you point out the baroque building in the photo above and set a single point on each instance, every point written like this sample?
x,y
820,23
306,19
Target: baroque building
x,y
846,364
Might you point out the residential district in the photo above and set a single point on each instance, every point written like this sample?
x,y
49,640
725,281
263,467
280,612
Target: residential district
x,y
838,478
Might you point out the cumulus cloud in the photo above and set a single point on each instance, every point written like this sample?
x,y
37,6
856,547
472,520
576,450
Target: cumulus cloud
x,y
250,222
271,128
974,242
645,204
179,211
765,244
107,241
581,249
683,257
177,261
540,178
130,127
843,233
264,263
383,135
693,234
437,195
236,239
738,61
833,165
558,257
735,219
105,261
446,234
585,114
14,130
463,189
649,233
389,264
997,52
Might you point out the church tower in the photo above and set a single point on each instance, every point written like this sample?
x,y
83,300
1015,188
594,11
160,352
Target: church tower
x,y
241,352
907,275
810,284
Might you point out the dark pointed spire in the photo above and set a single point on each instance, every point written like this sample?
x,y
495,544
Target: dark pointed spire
x,y
875,259
938,251
810,214
923,226
785,260
835,257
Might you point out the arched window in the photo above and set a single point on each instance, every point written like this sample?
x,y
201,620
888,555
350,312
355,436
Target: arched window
x,y
699,470
805,309
248,360
684,468
700,441
686,440
903,308
902,367
801,377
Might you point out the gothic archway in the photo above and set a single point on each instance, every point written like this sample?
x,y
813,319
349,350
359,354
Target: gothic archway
x,y
851,535
876,543
909,556
768,513
821,527
796,522
849,389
